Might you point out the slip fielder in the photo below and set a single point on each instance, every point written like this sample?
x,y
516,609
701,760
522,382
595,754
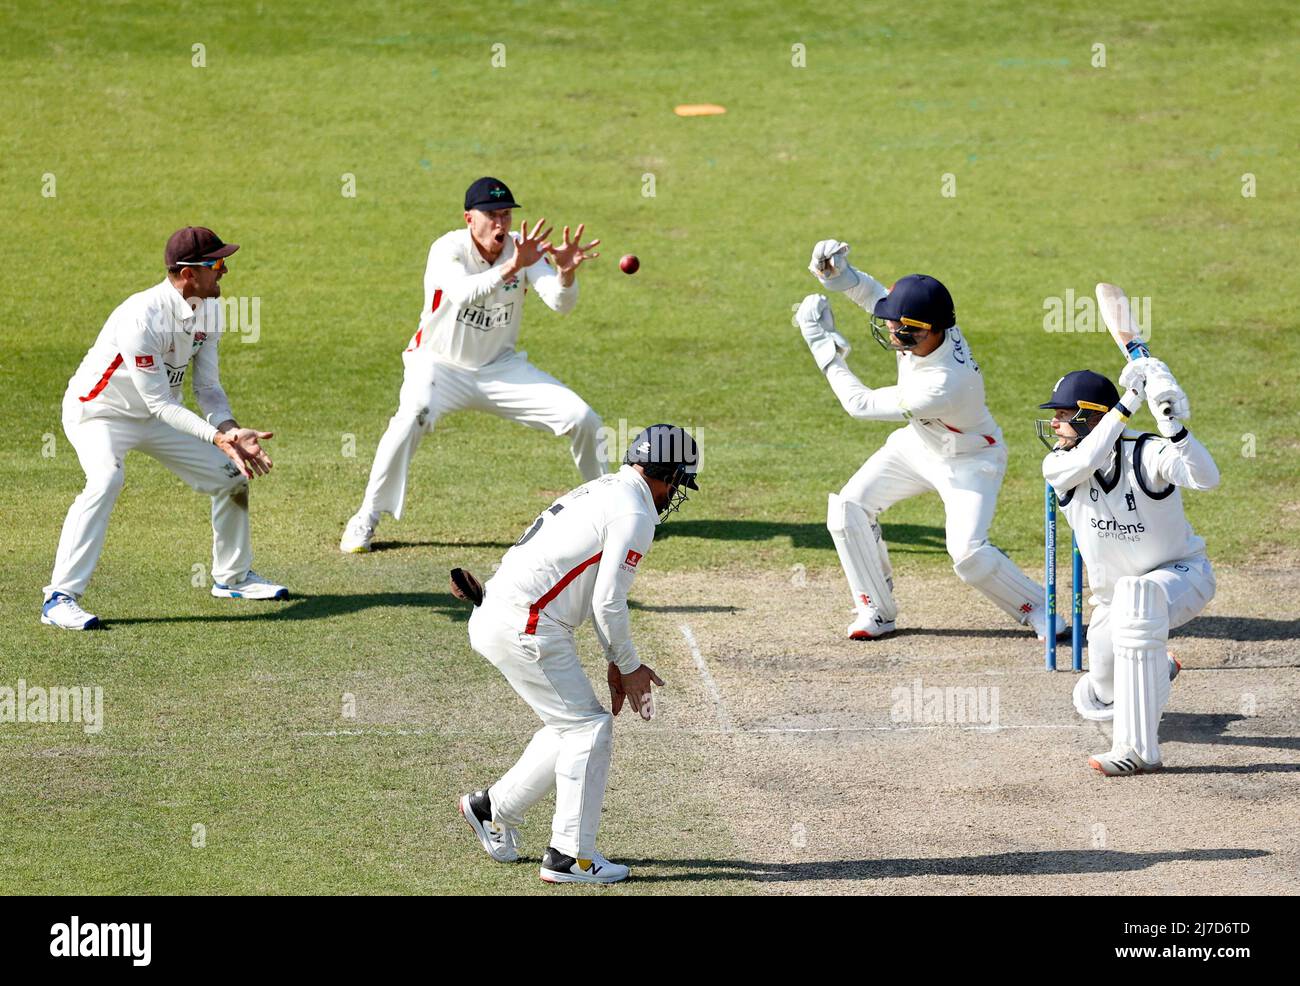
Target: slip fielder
x,y
575,562
463,357
127,395
1147,570
951,445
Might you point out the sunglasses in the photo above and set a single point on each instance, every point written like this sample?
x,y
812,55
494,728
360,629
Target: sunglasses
x,y
218,266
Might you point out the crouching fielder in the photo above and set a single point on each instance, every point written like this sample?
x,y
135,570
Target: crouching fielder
x,y
1120,492
951,444
576,561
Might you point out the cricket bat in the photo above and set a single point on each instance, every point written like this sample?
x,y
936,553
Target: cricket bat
x,y
1118,316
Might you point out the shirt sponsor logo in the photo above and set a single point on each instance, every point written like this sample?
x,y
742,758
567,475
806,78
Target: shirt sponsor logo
x,y
633,557
486,319
175,375
144,363
1114,529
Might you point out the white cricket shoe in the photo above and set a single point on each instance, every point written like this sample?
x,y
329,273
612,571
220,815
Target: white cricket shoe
x,y
62,611
1039,623
358,534
559,868
869,626
1121,763
1088,705
253,586
501,841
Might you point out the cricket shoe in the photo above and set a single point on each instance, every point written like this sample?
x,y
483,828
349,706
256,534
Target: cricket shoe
x,y
1088,705
1039,623
870,626
1121,763
62,611
252,586
358,534
500,841
559,868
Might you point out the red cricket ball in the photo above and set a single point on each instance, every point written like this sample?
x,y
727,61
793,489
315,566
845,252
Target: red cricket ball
x,y
629,264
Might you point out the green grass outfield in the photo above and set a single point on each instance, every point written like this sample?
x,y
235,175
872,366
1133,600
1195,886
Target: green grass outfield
x,y
1065,174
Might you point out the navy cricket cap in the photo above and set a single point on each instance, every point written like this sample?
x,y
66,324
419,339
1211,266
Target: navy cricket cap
x,y
1083,390
194,244
487,194
920,301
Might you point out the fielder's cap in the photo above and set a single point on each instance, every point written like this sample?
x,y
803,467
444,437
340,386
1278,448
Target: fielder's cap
x,y
194,244
487,194
920,301
1083,390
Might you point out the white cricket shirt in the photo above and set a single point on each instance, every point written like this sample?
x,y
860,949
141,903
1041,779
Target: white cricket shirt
x,y
471,312
136,368
940,395
578,559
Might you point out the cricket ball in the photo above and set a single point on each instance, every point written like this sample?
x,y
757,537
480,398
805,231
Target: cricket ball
x,y
629,264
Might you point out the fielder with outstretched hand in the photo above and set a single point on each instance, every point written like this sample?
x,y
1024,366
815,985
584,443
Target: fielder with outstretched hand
x,y
126,395
951,444
1147,570
463,356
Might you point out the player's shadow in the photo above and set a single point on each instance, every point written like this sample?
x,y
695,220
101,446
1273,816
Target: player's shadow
x,y
1202,727
315,607
1058,862
1239,628
646,608
908,538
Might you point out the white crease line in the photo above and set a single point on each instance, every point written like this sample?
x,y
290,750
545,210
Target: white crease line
x,y
908,729
709,684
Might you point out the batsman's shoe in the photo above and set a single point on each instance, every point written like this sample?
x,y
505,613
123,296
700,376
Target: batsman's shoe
x,y
62,611
500,841
1121,763
559,868
357,535
252,586
869,626
1088,705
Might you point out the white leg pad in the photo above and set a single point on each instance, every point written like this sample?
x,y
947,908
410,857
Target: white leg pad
x,y
997,577
863,555
1139,634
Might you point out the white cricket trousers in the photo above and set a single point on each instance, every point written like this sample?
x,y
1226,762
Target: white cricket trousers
x,y
101,445
572,750
509,387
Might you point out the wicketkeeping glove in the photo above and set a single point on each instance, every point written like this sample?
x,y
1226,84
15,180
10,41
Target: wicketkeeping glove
x,y
817,324
830,265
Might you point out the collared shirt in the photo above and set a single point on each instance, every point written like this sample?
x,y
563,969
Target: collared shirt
x,y
471,312
136,368
579,558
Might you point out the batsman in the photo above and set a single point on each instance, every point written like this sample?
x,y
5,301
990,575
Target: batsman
x,y
1121,493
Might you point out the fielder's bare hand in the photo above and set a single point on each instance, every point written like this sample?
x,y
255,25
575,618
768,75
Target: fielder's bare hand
x,y
635,687
569,255
243,447
534,244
